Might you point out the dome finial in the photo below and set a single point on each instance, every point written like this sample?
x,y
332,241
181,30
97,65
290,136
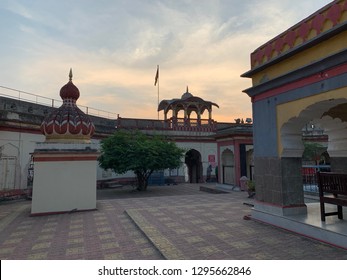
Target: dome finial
x,y
187,94
70,75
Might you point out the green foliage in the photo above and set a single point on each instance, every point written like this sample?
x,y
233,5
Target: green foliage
x,y
134,151
312,151
251,186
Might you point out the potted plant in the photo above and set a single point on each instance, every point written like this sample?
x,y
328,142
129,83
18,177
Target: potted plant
x,y
250,188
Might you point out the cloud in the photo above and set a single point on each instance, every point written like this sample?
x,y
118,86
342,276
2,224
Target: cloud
x,y
115,46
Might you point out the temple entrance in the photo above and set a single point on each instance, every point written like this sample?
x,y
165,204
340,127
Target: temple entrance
x,y
194,164
228,169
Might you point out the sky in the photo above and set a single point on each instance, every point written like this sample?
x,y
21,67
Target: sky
x,y
114,47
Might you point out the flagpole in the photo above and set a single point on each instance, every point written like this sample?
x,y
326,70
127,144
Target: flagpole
x,y
156,81
158,92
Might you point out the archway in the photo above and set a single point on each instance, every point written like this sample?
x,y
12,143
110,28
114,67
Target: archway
x,y
194,164
192,116
330,115
228,167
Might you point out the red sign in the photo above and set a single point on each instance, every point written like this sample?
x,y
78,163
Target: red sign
x,y
211,158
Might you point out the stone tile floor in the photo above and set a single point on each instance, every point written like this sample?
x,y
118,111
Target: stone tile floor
x,y
166,222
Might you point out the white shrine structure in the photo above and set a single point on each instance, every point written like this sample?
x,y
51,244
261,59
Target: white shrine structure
x,y
65,164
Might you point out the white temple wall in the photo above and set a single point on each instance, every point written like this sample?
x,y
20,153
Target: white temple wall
x,y
206,150
18,147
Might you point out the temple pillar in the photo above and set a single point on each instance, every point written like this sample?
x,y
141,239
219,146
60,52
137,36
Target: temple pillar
x,y
279,188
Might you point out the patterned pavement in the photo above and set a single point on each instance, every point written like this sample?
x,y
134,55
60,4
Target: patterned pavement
x,y
168,222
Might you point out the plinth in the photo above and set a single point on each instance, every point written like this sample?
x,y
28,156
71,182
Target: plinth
x,y
64,178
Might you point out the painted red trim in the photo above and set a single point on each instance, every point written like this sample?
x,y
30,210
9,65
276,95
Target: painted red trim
x,y
64,158
195,140
341,69
237,160
331,12
20,129
228,142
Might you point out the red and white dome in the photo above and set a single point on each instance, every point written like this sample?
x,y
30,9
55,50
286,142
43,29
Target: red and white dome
x,y
68,123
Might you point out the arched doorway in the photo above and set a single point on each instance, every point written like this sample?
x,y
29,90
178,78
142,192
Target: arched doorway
x,y
194,164
330,115
228,167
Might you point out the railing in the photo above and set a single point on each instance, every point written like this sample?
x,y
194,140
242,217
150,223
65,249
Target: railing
x,y
309,177
177,124
42,100
206,125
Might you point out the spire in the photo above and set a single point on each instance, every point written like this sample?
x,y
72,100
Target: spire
x,y
187,94
70,75
69,91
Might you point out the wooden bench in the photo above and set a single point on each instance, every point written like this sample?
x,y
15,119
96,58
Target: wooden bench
x,y
332,190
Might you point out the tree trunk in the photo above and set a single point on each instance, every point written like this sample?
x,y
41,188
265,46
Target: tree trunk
x,y
142,180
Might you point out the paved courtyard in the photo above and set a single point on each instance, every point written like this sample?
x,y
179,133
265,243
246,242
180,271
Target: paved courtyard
x,y
166,222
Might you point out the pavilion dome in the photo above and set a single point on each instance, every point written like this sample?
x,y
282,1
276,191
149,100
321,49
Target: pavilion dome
x,y
187,94
68,123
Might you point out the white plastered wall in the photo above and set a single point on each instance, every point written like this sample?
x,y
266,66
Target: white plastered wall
x,y
23,144
62,186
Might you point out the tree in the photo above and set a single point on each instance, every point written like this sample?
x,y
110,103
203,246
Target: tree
x,y
313,151
134,151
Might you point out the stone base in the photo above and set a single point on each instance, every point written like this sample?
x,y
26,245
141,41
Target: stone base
x,y
333,232
64,181
280,210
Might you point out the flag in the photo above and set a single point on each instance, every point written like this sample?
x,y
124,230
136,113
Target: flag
x,y
156,76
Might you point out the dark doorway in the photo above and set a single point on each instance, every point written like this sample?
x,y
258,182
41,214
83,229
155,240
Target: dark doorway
x,y
193,161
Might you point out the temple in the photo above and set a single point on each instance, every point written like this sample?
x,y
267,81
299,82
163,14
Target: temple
x,y
299,80
216,151
191,106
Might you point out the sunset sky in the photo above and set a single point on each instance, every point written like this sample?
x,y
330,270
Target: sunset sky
x,y
114,47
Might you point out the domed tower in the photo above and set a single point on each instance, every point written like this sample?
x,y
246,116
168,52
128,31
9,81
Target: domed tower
x,y
68,123
65,164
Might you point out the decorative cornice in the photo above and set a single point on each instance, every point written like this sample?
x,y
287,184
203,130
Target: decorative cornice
x,y
315,72
324,20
